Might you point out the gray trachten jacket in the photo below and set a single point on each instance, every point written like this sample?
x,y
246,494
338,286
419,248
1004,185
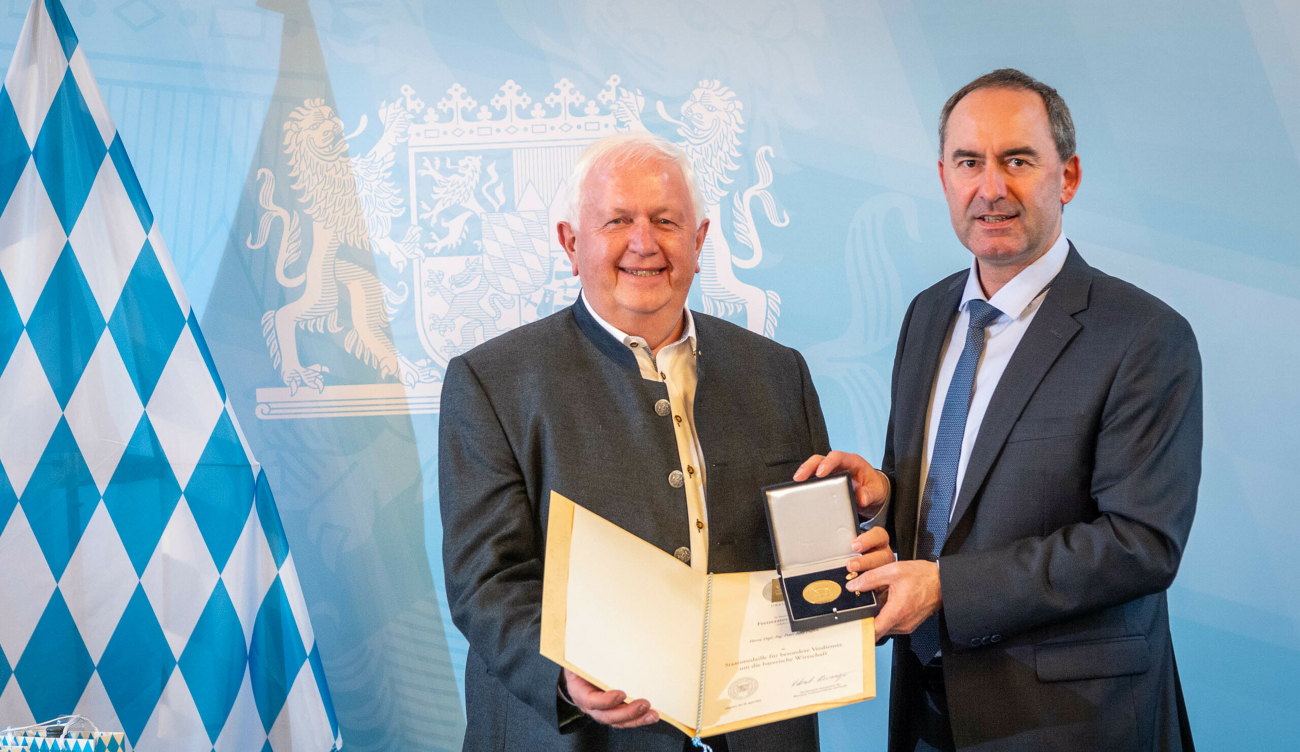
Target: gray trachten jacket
x,y
560,405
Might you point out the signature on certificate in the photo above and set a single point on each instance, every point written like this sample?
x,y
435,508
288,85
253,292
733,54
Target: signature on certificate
x,y
818,679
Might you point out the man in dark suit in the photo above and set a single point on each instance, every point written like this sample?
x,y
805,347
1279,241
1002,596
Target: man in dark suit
x,y
1044,448
663,421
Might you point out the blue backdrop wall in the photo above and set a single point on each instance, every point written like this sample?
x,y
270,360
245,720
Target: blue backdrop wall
x,y
813,124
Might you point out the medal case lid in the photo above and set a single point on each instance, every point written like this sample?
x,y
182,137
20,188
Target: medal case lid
x,y
812,525
812,522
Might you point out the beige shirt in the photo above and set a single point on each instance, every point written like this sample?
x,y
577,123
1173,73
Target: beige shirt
x,y
674,365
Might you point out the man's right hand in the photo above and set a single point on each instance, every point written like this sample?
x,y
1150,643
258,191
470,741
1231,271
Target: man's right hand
x,y
870,486
609,707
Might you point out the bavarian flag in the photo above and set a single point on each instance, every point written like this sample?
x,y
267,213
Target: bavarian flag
x,y
145,579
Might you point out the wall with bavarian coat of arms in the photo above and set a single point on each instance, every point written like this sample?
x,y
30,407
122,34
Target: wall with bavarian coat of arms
x,y
356,192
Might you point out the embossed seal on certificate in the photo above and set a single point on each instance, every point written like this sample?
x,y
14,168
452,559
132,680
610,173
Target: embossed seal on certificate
x,y
742,688
821,591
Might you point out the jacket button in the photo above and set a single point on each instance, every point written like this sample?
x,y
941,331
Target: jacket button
x,y
984,640
663,408
683,554
675,479
974,642
996,638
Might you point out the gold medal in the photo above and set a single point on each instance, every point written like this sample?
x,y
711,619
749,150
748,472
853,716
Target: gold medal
x,y
821,591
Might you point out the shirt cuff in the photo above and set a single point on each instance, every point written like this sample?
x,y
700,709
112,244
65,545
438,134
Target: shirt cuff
x,y
568,714
562,692
879,518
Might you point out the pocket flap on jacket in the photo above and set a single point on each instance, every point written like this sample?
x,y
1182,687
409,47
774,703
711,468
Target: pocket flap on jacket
x,y
781,454
1123,656
1028,429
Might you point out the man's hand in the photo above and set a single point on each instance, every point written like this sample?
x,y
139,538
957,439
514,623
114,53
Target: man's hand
x,y
913,594
608,707
873,551
870,486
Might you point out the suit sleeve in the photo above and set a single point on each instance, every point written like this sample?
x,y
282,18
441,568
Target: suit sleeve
x,y
1144,480
887,462
492,546
812,408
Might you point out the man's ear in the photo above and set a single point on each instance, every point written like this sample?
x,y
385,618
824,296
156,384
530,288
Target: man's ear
x,y
699,241
1073,176
569,240
942,181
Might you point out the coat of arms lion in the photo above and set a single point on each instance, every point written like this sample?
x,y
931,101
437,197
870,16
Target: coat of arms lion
x,y
349,202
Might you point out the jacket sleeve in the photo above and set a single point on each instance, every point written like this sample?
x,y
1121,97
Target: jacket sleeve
x,y
887,463
493,546
1145,474
812,408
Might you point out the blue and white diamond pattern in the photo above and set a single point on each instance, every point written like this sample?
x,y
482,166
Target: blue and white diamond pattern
x,y
107,237
76,741
98,582
31,239
28,405
147,580
104,411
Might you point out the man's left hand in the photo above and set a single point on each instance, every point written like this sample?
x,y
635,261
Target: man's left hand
x,y
872,549
913,595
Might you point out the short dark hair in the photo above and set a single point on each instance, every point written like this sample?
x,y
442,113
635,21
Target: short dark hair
x,y
1058,114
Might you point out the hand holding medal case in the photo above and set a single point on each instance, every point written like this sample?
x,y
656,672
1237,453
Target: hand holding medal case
x,y
813,525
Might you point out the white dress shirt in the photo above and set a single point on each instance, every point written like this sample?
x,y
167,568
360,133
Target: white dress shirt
x,y
1018,301
674,365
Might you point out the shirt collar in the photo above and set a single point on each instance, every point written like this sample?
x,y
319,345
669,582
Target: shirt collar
x,y
688,331
1015,296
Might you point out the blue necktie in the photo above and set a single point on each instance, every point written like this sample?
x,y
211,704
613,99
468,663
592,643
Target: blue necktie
x,y
941,484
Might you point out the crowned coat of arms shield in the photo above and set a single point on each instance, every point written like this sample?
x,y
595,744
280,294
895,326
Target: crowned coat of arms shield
x,y
442,235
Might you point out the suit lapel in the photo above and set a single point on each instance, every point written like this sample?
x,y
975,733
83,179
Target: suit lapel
x,y
916,382
1051,330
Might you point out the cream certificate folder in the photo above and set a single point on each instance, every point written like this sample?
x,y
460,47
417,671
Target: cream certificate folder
x,y
711,652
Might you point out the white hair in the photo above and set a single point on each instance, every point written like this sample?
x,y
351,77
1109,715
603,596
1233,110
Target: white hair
x,y
623,149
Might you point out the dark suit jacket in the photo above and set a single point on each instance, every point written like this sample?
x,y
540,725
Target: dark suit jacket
x,y
1069,524
561,405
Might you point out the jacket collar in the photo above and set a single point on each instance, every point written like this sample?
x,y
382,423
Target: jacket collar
x,y
630,340
1022,290
603,340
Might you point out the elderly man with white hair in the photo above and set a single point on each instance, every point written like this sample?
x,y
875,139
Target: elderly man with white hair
x,y
664,421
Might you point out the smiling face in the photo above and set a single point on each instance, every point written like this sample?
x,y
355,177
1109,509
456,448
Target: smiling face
x,y
637,247
1003,178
